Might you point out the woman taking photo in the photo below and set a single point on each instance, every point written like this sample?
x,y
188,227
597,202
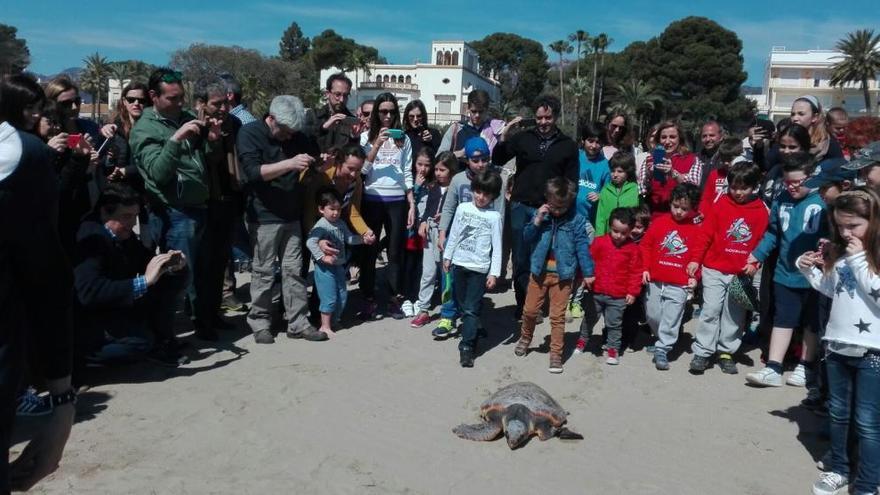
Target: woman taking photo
x,y
415,123
128,110
388,201
678,165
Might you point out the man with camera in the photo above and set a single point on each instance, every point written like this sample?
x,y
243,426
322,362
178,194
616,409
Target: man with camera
x,y
272,153
125,295
336,124
167,144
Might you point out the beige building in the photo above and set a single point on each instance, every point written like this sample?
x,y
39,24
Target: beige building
x,y
794,73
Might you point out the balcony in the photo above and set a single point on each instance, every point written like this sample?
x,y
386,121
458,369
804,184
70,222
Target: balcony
x,y
388,85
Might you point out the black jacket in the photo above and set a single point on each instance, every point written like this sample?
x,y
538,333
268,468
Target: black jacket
x,y
279,200
533,169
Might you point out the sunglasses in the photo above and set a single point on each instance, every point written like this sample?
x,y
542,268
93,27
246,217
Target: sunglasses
x,y
365,114
794,183
172,77
70,103
132,100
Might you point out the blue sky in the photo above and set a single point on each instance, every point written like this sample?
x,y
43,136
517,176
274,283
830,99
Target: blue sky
x,y
60,34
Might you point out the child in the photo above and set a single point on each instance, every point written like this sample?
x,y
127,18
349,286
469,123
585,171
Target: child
x,y
848,273
634,314
797,222
621,192
558,235
866,163
330,270
618,278
413,251
731,229
729,152
429,211
667,248
473,253
476,151
594,175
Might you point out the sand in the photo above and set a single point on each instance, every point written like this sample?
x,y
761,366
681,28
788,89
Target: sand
x,y
371,412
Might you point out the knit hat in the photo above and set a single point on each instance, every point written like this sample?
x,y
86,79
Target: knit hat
x,y
474,145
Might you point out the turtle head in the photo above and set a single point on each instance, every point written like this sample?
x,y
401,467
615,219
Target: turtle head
x,y
516,425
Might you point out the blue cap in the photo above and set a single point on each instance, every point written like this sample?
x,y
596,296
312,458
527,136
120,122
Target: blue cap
x,y
831,170
474,145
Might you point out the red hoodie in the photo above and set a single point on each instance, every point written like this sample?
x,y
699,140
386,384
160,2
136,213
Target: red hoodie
x,y
660,192
618,269
730,232
668,247
715,188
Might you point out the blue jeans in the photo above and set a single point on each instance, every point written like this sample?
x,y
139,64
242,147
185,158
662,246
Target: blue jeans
x,y
468,289
854,391
520,215
181,230
332,289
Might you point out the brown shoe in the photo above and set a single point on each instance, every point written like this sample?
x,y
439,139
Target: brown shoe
x,y
555,364
522,347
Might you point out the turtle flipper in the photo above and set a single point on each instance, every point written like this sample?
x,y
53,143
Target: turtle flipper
x,y
566,434
481,432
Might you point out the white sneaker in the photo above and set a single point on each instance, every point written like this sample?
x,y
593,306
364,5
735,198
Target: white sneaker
x,y
798,377
765,378
408,309
830,484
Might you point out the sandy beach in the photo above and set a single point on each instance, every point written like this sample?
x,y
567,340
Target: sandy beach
x,y
371,412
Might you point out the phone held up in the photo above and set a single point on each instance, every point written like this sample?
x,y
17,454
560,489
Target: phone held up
x,y
657,156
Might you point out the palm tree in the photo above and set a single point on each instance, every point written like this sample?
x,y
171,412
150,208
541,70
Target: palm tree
x,y
580,37
560,47
602,44
861,61
599,44
120,71
139,70
357,61
94,79
635,98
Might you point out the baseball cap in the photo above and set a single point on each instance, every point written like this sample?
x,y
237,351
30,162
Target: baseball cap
x,y
474,145
865,157
831,170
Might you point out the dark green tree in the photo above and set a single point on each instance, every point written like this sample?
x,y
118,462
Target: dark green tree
x,y
293,45
519,64
697,66
329,49
14,53
859,63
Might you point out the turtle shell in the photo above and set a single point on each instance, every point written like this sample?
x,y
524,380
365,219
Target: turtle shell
x,y
535,398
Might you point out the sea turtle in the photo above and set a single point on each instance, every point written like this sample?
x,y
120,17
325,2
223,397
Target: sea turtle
x,y
520,410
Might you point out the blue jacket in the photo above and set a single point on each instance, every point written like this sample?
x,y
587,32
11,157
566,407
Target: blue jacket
x,y
567,236
795,228
592,177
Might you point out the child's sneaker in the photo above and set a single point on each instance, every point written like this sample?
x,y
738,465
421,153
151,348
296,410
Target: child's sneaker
x,y
830,484
421,320
699,364
798,377
765,377
408,309
466,357
581,346
394,310
445,329
576,310
727,364
522,347
555,364
661,362
611,356
30,403
368,312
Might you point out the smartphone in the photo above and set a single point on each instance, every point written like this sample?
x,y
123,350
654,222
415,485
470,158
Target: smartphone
x,y
395,133
528,123
174,260
658,155
73,140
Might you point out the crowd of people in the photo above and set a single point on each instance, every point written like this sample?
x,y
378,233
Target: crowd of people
x,y
109,230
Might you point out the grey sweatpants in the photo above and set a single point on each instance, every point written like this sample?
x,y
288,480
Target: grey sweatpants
x,y
664,305
611,309
281,241
430,266
721,320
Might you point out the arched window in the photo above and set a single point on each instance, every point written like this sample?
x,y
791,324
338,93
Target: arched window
x,y
385,78
409,79
439,58
447,58
455,57
394,79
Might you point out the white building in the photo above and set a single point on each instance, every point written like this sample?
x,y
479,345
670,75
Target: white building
x,y
791,74
442,85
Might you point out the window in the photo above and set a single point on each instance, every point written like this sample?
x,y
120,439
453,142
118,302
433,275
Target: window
x,y
394,79
409,79
447,58
439,58
385,78
455,57
444,106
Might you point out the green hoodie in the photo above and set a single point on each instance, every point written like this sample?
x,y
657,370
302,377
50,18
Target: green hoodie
x,y
173,171
610,198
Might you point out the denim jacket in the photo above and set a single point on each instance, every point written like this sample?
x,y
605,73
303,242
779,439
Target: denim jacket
x,y
567,236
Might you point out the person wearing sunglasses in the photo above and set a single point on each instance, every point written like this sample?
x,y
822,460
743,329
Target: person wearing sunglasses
x,y
167,145
415,124
335,121
117,159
